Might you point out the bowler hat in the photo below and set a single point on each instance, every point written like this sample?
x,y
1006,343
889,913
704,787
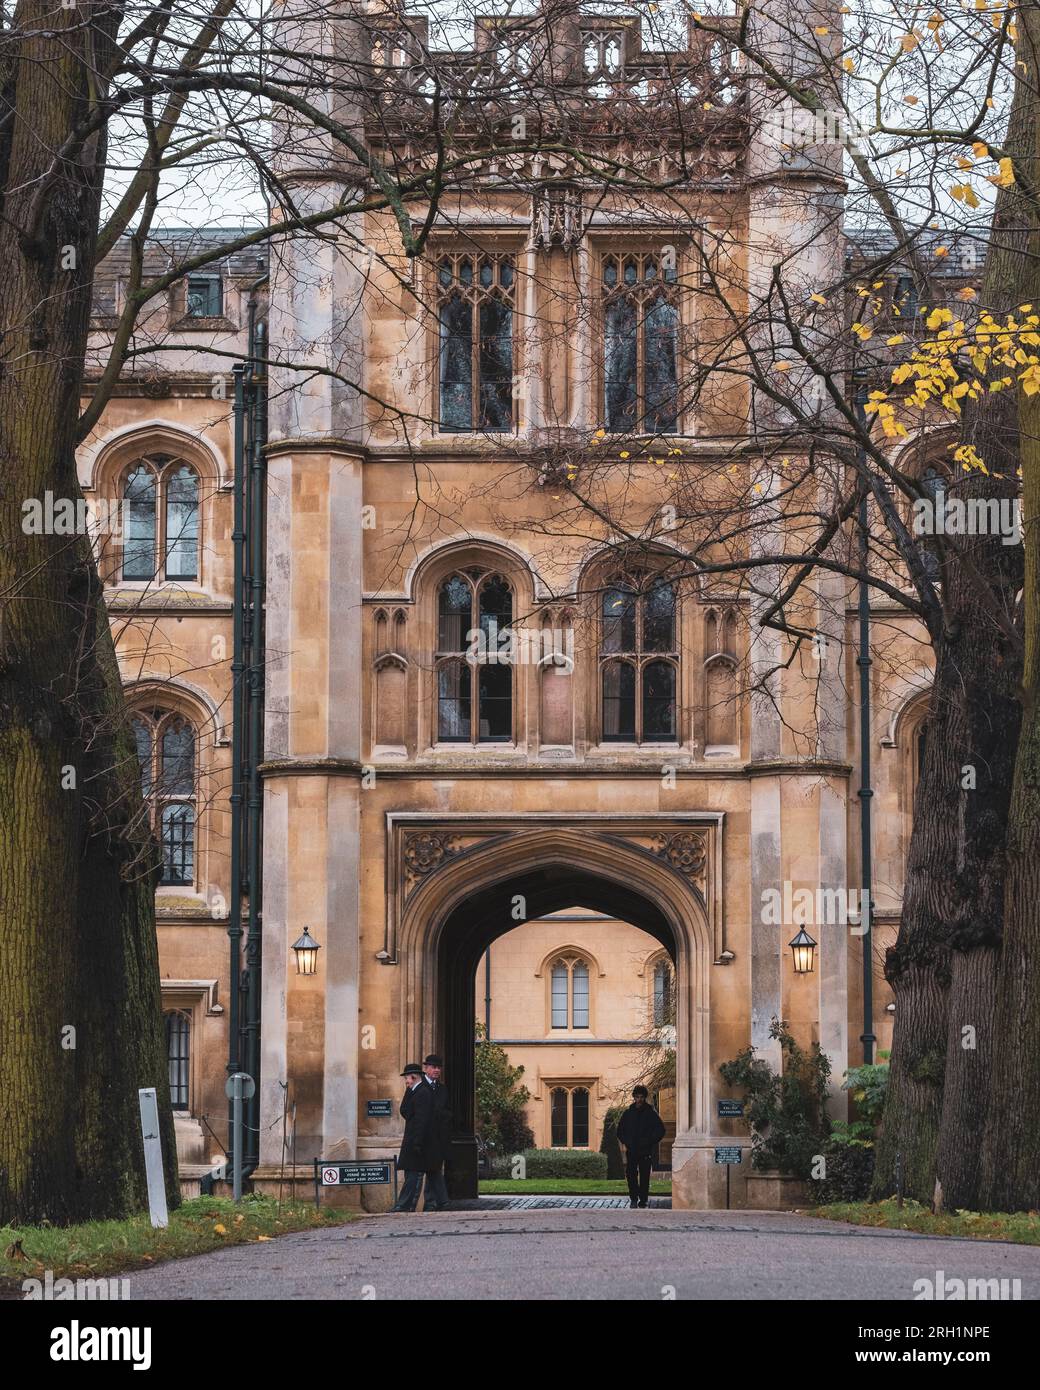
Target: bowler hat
x,y
412,1069
433,1060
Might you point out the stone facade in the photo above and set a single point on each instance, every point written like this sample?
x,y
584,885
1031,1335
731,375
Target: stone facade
x,y
408,853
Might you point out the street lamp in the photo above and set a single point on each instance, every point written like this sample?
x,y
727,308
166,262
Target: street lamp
x,y
803,948
306,950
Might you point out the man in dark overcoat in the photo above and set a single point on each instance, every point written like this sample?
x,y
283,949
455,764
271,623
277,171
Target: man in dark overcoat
x,y
417,1120
437,1145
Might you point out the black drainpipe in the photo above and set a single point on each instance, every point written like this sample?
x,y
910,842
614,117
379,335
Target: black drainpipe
x,y
866,791
247,667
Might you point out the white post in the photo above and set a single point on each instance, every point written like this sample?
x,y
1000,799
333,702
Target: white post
x,y
153,1156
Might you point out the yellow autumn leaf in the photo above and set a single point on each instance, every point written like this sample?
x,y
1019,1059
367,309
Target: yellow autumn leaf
x,y
848,65
821,29
817,299
260,1238
783,366
967,294
980,149
1006,177
862,332
895,340
220,1229
624,454
963,163
911,101
964,193
909,42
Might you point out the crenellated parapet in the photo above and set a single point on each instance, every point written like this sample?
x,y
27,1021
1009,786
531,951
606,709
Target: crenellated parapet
x,y
592,72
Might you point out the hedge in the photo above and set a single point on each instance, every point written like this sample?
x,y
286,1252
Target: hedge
x,y
555,1163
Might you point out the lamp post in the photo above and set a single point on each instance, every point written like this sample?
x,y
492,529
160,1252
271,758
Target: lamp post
x,y
306,951
803,949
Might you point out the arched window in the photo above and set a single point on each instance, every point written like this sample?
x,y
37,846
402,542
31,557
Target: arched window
x,y
166,753
570,1116
569,993
160,520
178,1055
639,662
475,362
662,983
474,658
641,340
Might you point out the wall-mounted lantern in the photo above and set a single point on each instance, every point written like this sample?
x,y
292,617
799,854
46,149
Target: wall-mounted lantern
x,y
306,951
803,948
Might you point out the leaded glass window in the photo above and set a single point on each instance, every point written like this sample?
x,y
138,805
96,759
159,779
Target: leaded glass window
x,y
474,659
640,344
475,297
160,520
165,745
639,661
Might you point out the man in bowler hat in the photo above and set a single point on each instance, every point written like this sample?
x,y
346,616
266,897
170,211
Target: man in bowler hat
x,y
416,1122
437,1144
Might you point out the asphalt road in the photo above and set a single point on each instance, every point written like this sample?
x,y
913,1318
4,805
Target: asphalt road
x,y
580,1255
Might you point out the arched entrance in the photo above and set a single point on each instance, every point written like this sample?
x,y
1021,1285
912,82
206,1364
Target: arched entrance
x,y
468,894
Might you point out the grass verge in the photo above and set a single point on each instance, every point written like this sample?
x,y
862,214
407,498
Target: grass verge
x,y
99,1248
1021,1227
567,1187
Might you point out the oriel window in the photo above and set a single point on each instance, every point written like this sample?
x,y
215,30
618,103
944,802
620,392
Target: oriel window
x,y
639,662
475,297
474,659
640,344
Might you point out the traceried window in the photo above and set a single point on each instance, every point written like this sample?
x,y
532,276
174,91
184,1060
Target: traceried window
x,y
166,754
160,519
474,659
569,994
662,994
569,1117
475,295
639,662
640,344
178,1055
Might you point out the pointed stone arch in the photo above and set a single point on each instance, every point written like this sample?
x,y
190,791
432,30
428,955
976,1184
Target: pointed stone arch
x,y
461,891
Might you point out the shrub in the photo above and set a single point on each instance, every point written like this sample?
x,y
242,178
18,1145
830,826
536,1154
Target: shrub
x,y
501,1119
868,1085
564,1163
786,1112
850,1168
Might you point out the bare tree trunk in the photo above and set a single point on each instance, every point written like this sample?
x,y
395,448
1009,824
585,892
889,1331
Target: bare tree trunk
x,y
80,1024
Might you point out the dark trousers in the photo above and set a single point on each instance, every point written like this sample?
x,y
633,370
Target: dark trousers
x,y
637,1171
409,1197
436,1190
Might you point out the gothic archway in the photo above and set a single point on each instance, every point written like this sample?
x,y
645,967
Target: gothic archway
x,y
458,890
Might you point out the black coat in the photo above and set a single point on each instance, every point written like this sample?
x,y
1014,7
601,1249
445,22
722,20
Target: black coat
x,y
438,1142
416,1118
640,1129
427,1128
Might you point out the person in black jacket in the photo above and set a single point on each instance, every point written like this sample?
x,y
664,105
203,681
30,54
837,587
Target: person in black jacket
x,y
417,1119
437,1141
639,1132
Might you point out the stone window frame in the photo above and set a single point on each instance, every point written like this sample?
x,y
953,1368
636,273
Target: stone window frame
x,y
478,247
641,244
569,956
158,720
163,467
451,560
639,658
196,999
570,1084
